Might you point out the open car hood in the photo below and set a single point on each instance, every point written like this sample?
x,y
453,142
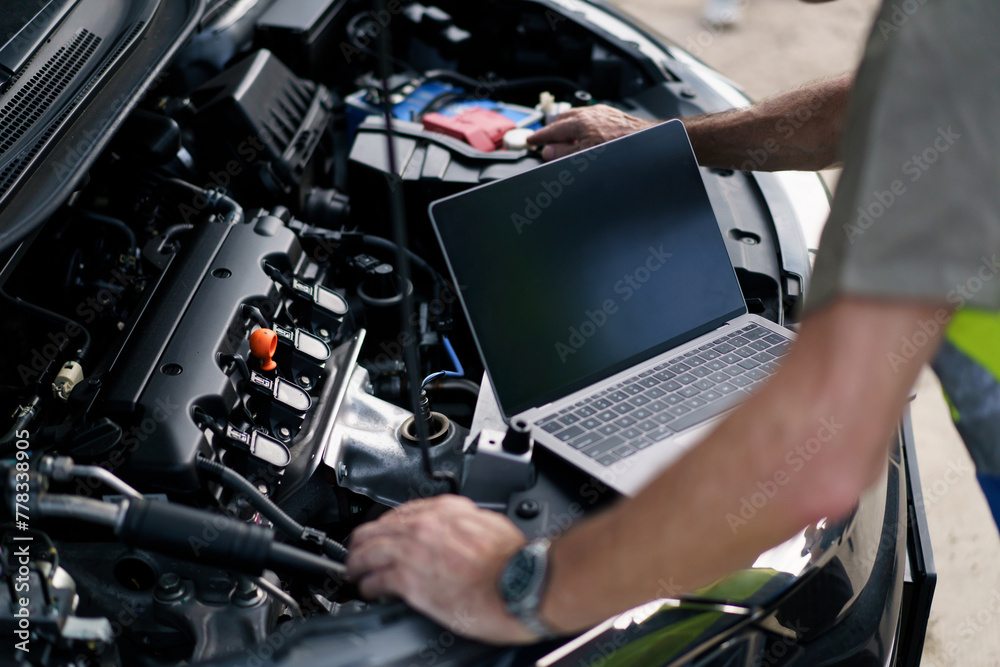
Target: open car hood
x,y
86,63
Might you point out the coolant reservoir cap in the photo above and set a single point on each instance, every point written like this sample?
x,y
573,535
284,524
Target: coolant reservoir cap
x,y
263,344
517,139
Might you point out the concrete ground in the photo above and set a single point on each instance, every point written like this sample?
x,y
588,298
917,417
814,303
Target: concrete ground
x,y
783,43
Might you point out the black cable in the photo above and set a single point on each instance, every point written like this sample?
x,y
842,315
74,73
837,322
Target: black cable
x,y
241,364
244,371
369,240
397,214
253,312
287,558
553,82
417,260
275,274
56,318
166,527
502,85
353,34
442,100
28,412
284,523
172,231
217,200
455,77
111,222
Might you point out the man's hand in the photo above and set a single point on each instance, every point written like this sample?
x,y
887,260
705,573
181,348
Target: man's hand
x,y
584,127
443,556
797,130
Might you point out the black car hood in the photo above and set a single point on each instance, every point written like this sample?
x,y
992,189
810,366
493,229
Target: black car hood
x,y
60,109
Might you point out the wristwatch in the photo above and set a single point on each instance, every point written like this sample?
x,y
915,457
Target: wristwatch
x,y
522,584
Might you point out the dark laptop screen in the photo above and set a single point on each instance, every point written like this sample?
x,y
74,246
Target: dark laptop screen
x,y
584,266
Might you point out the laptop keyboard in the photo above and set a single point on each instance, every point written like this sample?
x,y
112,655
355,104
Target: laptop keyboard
x,y
619,421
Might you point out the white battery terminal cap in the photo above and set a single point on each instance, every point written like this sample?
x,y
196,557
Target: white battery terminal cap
x,y
517,139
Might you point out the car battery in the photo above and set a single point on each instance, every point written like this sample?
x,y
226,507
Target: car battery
x,y
480,128
412,101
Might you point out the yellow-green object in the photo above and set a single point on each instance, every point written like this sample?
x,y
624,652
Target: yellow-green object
x,y
687,626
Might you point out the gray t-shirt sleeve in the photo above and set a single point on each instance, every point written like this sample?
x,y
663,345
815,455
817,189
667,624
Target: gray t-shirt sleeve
x,y
916,215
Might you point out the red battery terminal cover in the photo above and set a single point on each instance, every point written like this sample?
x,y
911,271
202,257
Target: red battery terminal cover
x,y
481,128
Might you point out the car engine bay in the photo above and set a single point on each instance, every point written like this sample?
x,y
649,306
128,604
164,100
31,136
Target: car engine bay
x,y
205,342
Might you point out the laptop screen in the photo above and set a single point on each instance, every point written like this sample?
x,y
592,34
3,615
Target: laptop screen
x,y
584,266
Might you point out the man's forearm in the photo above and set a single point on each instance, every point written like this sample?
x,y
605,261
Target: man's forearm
x,y
797,130
675,536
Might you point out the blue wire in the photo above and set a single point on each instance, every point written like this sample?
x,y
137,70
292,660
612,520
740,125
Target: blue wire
x,y
457,373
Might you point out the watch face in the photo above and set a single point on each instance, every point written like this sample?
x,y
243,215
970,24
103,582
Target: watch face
x,y
518,577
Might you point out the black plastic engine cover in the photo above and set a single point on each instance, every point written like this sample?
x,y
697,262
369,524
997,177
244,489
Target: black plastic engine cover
x,y
174,366
429,166
266,123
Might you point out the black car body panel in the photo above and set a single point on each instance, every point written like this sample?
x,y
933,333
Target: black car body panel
x,y
66,104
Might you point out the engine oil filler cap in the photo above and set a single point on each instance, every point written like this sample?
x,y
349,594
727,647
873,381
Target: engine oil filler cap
x,y
263,345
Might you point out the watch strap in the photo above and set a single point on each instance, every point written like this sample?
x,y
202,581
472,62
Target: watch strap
x,y
526,610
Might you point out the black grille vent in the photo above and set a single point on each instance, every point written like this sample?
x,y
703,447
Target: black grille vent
x,y
127,42
42,89
289,113
80,50
20,73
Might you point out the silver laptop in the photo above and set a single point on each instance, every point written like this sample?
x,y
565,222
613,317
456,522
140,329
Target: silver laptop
x,y
604,304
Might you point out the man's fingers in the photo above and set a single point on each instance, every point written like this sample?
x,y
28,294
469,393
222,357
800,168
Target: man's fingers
x,y
380,583
555,151
374,554
415,519
561,131
389,525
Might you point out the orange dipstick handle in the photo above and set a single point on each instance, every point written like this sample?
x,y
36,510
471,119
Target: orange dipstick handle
x,y
263,343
